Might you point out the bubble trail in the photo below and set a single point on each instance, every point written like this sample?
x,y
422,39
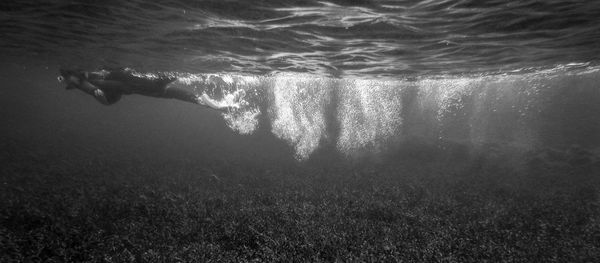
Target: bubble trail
x,y
362,117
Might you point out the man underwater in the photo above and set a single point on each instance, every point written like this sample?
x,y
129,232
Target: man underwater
x,y
107,87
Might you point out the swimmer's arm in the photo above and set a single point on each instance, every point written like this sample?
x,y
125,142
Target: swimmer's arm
x,y
97,93
106,99
109,85
87,87
100,96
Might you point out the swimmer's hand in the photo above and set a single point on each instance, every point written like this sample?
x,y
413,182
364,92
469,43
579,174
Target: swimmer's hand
x,y
98,93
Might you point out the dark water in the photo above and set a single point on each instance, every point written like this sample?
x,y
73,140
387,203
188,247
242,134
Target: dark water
x,y
365,131
352,77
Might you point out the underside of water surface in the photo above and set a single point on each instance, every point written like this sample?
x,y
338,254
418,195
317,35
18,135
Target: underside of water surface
x,y
337,38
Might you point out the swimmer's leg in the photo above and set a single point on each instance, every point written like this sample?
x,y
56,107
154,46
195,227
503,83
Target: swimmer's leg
x,y
185,94
207,101
229,103
179,93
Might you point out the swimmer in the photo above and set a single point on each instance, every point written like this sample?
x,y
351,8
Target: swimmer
x,y
107,87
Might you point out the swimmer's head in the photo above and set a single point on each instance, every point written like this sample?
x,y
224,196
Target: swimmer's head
x,y
71,78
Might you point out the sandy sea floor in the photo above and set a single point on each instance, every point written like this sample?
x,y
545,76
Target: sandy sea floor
x,y
427,207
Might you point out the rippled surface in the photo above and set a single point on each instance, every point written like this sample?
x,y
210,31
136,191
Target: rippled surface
x,y
336,38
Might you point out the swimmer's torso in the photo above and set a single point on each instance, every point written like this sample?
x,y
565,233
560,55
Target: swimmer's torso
x,y
126,82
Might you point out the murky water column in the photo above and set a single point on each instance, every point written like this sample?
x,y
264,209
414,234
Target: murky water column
x,y
298,111
477,111
446,107
503,109
525,111
369,115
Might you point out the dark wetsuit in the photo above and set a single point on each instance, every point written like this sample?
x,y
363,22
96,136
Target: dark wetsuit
x,y
115,83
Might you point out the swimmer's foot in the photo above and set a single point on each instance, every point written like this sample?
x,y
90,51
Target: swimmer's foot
x,y
207,101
